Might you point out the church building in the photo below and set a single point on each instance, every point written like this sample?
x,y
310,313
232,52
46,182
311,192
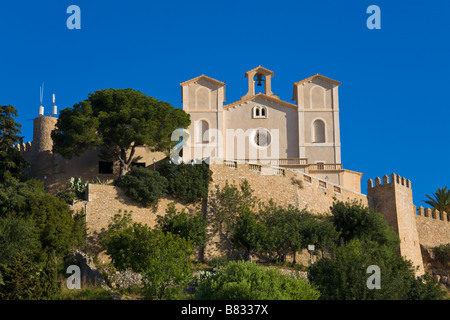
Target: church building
x,y
260,128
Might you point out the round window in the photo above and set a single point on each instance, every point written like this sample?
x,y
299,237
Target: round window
x,y
262,138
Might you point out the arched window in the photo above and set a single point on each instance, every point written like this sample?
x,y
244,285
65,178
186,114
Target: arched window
x,y
259,112
318,131
203,132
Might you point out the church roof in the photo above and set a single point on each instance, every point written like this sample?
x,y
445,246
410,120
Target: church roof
x,y
263,96
316,76
259,68
319,76
206,78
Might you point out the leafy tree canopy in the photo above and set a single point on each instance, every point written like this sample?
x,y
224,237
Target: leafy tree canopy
x,y
118,120
58,227
11,161
193,227
187,182
356,221
163,258
249,281
344,275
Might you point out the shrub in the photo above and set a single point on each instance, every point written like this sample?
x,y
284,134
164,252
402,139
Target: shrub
x,y
344,276
442,254
356,221
18,235
193,227
187,182
162,258
249,281
143,185
24,279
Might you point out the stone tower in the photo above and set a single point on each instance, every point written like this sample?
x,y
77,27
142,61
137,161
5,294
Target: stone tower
x,y
393,199
41,150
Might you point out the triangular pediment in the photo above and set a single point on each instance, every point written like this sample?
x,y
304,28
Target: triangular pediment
x,y
203,77
260,96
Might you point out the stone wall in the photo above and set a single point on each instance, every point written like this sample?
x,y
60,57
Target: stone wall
x,y
285,187
433,228
104,201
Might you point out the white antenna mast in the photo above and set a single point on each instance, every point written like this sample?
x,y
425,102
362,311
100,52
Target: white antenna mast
x,y
41,107
55,108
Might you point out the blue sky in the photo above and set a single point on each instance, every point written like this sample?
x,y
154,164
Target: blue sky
x,y
393,111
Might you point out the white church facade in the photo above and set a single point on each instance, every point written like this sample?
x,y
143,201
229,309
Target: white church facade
x,y
260,128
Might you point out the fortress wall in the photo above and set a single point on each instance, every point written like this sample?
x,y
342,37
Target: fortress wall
x,y
433,228
285,187
288,187
105,201
293,188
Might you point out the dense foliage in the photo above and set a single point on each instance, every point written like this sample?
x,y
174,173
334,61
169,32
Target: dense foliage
x,y
344,276
12,163
193,227
37,229
442,254
249,281
187,182
143,185
163,258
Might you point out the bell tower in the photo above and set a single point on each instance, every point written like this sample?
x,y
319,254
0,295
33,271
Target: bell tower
x,y
259,76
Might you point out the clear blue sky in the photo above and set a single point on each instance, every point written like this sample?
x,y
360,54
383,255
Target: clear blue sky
x,y
393,109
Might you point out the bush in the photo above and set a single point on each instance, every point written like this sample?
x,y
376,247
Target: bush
x,y
163,259
24,279
143,185
344,276
249,281
187,182
18,235
193,227
442,254
356,221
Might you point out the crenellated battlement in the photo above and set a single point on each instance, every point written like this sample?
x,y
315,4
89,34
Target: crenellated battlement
x,y
433,214
25,150
394,179
392,197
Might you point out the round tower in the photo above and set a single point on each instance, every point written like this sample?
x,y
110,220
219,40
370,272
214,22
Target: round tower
x,y
41,151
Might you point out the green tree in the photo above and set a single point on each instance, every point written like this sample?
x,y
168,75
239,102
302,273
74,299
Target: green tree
x,y
24,279
319,232
249,281
118,121
353,220
18,235
143,185
162,258
227,202
193,227
12,163
344,275
284,226
187,182
440,200
249,233
58,226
